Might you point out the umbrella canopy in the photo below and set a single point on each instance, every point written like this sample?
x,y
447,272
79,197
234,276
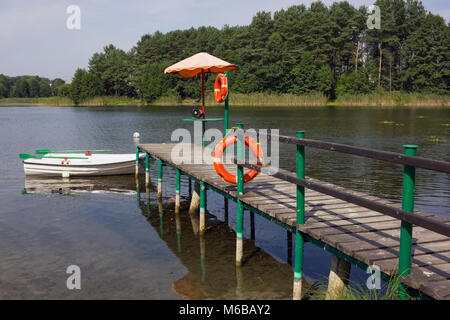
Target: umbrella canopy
x,y
200,63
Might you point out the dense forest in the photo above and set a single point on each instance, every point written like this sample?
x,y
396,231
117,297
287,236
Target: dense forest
x,y
299,50
28,87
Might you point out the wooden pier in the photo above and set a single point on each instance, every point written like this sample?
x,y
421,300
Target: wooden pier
x,y
356,228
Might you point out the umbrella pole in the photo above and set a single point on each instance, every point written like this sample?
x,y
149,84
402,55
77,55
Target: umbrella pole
x,y
203,93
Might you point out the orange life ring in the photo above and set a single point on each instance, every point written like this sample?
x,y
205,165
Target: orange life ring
x,y
217,158
221,88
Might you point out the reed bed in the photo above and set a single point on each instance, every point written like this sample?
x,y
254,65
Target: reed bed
x,y
395,99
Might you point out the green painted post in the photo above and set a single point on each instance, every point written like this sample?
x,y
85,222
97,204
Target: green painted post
x,y
409,176
137,162
202,207
299,241
160,177
240,205
225,115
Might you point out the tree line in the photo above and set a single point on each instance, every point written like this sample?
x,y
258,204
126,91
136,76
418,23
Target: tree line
x,y
296,50
28,86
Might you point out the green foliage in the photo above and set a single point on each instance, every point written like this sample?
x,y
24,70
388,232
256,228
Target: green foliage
x,y
113,68
65,91
353,82
84,85
24,87
55,85
151,81
44,89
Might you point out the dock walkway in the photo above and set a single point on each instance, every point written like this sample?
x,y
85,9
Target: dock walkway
x,y
362,236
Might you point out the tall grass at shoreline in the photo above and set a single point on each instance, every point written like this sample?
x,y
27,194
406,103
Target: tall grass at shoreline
x,y
44,101
391,290
395,99
376,99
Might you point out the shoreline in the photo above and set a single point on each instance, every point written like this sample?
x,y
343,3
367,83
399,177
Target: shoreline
x,y
380,100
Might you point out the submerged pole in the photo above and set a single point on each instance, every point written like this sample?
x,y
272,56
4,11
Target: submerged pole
x,y
160,176
202,207
147,174
136,171
240,204
177,191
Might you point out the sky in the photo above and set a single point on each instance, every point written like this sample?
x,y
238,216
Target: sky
x,y
35,39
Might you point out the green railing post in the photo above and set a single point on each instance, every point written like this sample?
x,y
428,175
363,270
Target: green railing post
x,y
136,172
299,241
160,177
409,176
225,113
240,192
202,207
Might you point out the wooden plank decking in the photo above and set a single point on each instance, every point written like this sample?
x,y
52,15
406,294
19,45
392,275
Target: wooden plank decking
x,y
365,235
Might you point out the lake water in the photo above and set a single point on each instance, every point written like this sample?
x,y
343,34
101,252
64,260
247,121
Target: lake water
x,y
127,250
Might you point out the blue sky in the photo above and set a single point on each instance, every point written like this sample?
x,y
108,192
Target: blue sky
x,y
34,38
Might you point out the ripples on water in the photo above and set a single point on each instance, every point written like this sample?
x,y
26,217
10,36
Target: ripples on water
x,y
100,225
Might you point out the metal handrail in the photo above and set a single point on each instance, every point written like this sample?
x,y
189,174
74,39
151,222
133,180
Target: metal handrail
x,y
409,161
419,220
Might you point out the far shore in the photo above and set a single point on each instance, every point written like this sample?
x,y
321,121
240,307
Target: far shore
x,y
396,99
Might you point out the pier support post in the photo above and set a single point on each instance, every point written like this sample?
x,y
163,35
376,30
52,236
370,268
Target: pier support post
x,y
404,261
202,208
195,199
161,213
338,278
240,204
299,240
177,191
160,177
147,173
136,171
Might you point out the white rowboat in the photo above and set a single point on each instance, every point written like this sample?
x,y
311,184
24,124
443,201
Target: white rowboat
x,y
94,165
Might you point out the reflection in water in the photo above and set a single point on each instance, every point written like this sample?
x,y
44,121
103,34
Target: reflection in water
x,y
209,259
123,184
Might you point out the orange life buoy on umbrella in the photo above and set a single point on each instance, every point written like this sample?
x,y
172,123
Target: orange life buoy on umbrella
x,y
217,158
221,88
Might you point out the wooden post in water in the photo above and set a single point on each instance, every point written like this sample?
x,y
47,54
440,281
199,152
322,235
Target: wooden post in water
x,y
240,204
177,191
161,213
147,174
195,199
299,241
136,171
202,207
160,177
338,278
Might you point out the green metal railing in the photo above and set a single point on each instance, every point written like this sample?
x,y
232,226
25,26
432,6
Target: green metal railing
x,y
405,214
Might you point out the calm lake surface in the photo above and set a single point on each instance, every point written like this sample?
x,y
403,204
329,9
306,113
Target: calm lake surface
x,y
126,250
